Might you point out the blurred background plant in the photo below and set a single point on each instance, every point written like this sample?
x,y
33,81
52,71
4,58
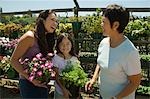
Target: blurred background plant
x,y
7,46
6,68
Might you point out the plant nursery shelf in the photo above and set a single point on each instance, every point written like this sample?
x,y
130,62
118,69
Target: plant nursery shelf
x,y
11,83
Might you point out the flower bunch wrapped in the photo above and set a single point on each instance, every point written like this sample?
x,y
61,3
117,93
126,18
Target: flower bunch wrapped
x,y
74,75
39,68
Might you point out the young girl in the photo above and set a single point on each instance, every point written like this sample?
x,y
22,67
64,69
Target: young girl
x,y
65,53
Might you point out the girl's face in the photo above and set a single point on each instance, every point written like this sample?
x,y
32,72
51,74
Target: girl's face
x,y
51,23
106,27
65,46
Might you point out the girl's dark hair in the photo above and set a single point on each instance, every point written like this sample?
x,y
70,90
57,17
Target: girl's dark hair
x,y
116,12
59,40
46,42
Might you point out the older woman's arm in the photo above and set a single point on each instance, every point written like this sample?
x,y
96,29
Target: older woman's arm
x,y
132,86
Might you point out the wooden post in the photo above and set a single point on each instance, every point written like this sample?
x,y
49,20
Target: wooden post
x,y
0,14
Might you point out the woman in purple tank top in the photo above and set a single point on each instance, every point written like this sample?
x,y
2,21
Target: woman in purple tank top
x,y
42,40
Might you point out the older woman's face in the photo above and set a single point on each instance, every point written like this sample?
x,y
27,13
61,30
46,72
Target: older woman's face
x,y
51,23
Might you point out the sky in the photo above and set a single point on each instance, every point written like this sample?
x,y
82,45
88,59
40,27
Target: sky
x,y
25,5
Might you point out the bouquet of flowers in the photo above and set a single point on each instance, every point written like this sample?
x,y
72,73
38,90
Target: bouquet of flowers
x,y
39,67
74,75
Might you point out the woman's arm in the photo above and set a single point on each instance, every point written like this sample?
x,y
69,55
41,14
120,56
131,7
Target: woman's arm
x,y
94,78
132,86
24,43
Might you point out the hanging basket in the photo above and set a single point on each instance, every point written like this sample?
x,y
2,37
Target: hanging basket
x,y
76,27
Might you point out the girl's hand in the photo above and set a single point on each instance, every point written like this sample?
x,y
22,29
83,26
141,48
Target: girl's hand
x,y
66,93
89,85
38,83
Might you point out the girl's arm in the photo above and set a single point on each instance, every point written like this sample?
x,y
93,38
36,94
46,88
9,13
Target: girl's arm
x,y
65,91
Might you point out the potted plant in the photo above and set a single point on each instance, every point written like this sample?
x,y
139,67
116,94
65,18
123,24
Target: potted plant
x,y
73,77
92,26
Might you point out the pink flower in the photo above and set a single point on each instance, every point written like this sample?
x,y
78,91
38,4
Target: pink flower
x,y
38,56
50,70
39,68
35,59
50,65
34,69
39,73
42,66
32,73
31,78
46,64
36,64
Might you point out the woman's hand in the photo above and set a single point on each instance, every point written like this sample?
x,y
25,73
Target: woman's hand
x,y
38,83
66,93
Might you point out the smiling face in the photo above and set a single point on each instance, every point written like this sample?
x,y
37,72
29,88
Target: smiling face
x,y
65,46
109,30
51,23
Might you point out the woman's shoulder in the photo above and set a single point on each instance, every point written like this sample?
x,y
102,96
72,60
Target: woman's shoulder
x,y
28,37
29,34
105,40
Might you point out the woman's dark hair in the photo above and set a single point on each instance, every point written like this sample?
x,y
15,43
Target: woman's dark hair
x,y
46,42
59,40
116,12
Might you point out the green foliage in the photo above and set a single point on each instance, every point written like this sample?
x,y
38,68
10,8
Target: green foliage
x,y
74,74
5,65
64,28
138,29
145,57
11,30
22,20
143,90
1,31
75,19
92,24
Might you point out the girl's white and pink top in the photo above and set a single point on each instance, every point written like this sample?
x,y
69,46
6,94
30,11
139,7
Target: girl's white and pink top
x,y
115,65
61,63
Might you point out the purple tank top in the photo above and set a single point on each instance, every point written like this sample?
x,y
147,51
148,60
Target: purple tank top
x,y
30,53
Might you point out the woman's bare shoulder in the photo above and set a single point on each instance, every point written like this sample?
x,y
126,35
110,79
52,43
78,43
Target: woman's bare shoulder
x,y
28,38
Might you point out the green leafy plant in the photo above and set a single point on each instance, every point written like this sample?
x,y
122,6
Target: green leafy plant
x,y
5,65
64,28
138,30
92,24
74,75
143,90
145,57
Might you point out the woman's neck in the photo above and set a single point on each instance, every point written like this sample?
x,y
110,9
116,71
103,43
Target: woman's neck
x,y
116,40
